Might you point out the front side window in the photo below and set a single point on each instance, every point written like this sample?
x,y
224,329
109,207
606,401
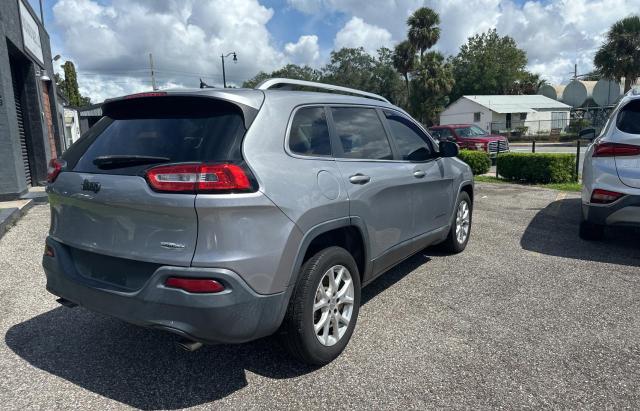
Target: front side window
x,y
470,132
309,132
361,133
413,144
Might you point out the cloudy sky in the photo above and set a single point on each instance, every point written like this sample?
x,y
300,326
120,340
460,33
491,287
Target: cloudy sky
x,y
110,40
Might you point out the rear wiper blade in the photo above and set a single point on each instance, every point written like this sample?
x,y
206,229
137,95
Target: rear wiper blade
x,y
107,162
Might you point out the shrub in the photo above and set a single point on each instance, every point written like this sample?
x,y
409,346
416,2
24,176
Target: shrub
x,y
478,160
537,167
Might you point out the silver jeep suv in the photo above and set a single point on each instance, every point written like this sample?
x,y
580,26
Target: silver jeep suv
x,y
226,215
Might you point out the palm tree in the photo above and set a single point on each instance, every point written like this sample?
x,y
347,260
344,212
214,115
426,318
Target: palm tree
x,y
423,29
404,59
619,56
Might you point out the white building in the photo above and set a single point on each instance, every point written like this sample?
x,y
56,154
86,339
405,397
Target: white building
x,y
505,113
71,125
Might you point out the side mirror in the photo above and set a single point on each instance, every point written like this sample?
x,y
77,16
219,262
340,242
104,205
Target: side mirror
x,y
587,134
448,149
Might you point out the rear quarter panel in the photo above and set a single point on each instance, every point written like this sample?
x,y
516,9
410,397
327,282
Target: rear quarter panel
x,y
291,183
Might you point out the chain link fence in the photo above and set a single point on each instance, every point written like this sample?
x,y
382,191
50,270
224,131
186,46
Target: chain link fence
x,y
558,129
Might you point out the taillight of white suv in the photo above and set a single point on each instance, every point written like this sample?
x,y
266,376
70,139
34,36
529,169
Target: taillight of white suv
x,y
615,150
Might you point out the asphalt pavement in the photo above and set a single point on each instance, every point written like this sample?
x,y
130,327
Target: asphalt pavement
x,y
527,316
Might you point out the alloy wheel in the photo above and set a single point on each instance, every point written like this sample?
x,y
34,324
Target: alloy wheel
x,y
333,305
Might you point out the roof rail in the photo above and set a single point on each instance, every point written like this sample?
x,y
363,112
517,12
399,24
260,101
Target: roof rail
x,y
272,82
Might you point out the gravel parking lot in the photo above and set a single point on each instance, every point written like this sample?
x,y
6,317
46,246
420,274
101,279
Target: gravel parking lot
x,y
527,316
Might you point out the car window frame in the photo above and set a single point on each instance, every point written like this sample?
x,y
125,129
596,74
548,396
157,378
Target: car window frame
x,y
339,152
434,147
291,153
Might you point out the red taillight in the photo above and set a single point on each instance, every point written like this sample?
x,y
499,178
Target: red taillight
x,y
616,149
147,94
195,285
600,196
198,178
55,167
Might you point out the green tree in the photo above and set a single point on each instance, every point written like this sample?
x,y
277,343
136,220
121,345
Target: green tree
x,y
526,83
431,84
291,71
404,61
423,29
385,79
350,67
619,56
69,86
487,64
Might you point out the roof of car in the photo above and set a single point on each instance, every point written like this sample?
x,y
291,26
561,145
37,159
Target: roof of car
x,y
254,98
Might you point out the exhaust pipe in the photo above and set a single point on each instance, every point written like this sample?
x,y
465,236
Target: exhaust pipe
x,y
189,345
66,303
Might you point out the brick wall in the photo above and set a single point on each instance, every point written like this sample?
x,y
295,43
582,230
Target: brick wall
x,y
46,107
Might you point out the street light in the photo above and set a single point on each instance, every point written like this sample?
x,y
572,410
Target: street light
x,y
235,60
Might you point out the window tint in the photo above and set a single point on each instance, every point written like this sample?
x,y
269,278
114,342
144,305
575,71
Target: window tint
x,y
629,118
310,133
412,143
361,133
190,131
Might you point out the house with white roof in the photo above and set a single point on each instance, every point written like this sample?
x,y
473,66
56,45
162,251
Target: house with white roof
x,y
507,113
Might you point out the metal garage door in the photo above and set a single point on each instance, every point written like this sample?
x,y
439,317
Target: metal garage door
x,y
23,137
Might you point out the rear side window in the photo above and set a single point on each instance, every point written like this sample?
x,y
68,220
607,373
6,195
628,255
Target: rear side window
x,y
361,133
412,143
629,118
309,134
164,130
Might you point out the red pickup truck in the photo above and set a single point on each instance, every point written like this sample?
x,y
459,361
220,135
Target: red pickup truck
x,y
471,137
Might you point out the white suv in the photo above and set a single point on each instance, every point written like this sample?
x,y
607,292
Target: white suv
x,y
611,172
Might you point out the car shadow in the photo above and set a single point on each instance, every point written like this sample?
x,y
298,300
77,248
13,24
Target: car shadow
x,y
554,231
143,368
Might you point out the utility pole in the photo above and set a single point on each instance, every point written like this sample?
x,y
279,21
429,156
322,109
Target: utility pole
x,y
575,71
224,77
153,75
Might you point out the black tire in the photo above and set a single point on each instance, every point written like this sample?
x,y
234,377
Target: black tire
x,y
590,231
451,244
297,333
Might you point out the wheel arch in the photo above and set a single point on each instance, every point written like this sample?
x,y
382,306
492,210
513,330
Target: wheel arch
x,y
348,232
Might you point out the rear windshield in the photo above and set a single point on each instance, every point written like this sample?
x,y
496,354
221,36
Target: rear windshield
x,y
629,118
142,134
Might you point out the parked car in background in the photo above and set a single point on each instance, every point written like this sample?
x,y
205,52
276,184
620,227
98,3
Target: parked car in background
x,y
226,215
471,137
611,171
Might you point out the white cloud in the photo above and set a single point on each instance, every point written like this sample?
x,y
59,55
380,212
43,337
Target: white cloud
x,y
357,33
185,37
554,33
304,51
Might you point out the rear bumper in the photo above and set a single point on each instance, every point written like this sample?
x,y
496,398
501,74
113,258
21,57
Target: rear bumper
x,y
625,211
236,315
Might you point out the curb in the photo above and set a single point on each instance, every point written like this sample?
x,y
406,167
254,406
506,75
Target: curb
x,y
9,216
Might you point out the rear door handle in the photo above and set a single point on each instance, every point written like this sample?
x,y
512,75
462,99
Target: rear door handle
x,y
359,179
419,174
